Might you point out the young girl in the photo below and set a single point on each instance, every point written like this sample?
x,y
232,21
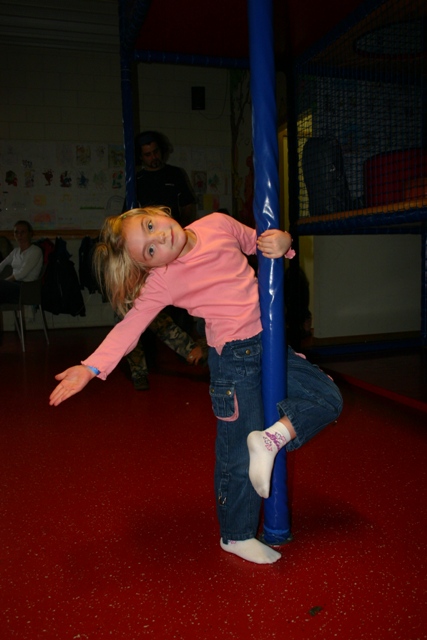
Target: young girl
x,y
148,261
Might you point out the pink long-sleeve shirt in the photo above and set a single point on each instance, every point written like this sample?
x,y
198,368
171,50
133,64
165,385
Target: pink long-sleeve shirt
x,y
213,281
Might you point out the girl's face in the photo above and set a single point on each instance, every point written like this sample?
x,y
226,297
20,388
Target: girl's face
x,y
155,240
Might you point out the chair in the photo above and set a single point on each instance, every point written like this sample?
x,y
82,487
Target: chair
x,y
5,247
30,294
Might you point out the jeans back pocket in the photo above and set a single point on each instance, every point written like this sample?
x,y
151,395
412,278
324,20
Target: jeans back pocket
x,y
224,400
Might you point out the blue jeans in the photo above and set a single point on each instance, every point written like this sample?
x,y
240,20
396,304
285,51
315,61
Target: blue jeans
x,y
235,388
313,399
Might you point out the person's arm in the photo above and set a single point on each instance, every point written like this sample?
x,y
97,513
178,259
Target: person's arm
x,y
71,381
120,340
176,338
33,256
103,360
274,243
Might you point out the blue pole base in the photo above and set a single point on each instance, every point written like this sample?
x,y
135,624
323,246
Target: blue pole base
x,y
277,521
276,538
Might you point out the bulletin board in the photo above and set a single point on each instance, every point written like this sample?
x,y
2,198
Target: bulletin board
x,y
74,186
60,185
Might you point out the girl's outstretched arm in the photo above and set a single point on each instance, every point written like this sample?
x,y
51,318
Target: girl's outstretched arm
x,y
274,243
73,380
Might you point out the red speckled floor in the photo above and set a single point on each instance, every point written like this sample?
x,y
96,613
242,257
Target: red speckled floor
x,y
108,527
398,374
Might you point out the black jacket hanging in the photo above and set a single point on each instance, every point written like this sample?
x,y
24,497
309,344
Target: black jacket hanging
x,y
86,274
61,289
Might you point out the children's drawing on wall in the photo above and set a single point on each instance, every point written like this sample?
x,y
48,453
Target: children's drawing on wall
x,y
83,154
11,179
65,180
116,155
199,180
29,178
101,152
199,184
114,206
45,219
117,181
59,185
48,176
216,185
214,182
28,174
83,180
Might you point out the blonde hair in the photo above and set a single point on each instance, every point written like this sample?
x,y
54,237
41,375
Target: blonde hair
x,y
119,275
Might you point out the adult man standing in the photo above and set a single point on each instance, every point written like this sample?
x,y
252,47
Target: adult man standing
x,y
159,183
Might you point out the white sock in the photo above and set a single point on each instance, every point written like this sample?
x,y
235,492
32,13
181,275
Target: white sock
x,y
263,447
251,550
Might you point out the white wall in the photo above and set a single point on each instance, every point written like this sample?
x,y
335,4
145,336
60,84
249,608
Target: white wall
x,y
66,94
366,285
58,94
54,94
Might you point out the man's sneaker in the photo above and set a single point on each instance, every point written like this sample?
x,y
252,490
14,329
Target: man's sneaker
x,y
141,383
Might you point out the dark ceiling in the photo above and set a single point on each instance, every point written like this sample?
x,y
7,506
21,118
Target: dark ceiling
x,y
220,28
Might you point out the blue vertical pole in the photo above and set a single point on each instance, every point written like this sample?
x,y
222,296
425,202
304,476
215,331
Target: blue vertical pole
x,y
271,272
128,134
424,285
127,104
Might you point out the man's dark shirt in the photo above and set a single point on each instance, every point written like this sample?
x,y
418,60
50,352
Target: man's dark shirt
x,y
168,186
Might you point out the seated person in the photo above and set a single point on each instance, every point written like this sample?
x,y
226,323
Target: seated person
x,y
26,262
